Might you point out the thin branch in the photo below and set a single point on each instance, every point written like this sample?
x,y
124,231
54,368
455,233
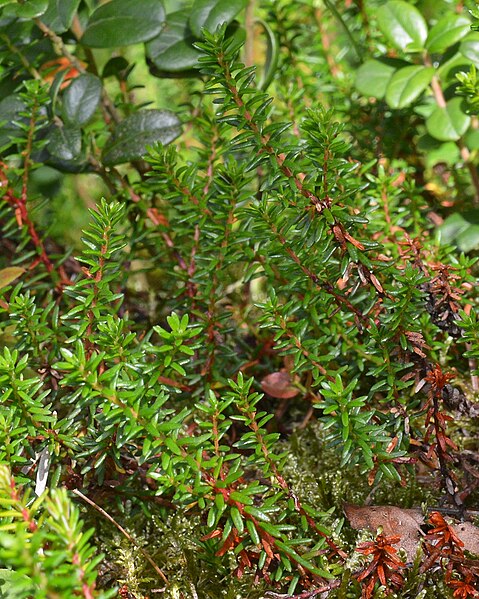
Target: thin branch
x,y
325,286
145,554
319,204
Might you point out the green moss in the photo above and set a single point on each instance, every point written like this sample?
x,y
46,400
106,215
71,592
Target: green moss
x,y
172,543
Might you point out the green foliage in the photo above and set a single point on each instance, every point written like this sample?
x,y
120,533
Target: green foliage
x,y
44,550
122,23
402,84
312,232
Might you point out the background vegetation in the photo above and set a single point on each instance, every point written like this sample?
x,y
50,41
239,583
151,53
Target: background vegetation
x,y
238,300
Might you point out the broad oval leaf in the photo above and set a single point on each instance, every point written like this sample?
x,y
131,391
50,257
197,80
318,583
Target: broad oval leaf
x,y
403,25
56,87
209,14
10,108
60,13
447,31
65,143
27,10
407,84
436,151
461,230
81,98
9,274
172,50
118,67
123,22
67,10
140,130
448,123
470,47
373,77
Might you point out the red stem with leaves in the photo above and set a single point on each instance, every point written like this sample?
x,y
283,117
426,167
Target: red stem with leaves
x,y
20,203
436,423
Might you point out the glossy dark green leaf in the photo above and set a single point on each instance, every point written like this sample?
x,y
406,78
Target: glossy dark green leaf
x,y
403,25
117,67
461,229
30,9
65,143
10,108
257,513
81,99
253,532
372,78
67,10
447,32
209,14
449,123
55,89
59,15
172,50
123,22
237,519
389,471
407,84
144,128
470,47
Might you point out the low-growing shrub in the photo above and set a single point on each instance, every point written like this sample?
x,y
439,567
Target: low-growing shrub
x,y
271,312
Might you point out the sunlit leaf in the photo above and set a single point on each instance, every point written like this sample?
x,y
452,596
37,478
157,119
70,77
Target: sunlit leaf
x,y
447,31
407,84
403,25
448,123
